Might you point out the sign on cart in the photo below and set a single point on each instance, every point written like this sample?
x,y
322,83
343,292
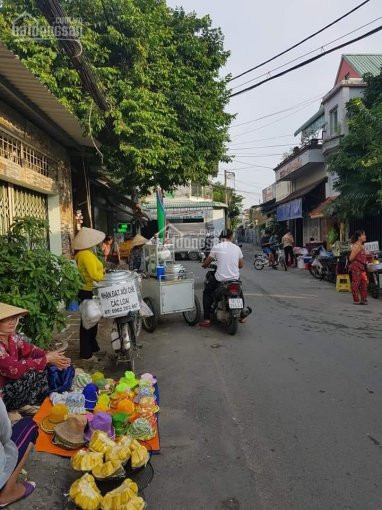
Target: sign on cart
x,y
119,300
372,246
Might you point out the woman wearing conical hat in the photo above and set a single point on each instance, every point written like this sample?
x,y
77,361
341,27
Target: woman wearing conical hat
x,y
23,366
92,270
136,258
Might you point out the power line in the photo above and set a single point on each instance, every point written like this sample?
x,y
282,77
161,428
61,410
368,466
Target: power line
x,y
273,122
261,147
297,105
256,155
306,54
264,139
258,168
306,62
248,192
302,41
250,164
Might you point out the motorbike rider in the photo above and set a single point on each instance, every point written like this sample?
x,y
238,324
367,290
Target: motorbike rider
x,y
230,260
267,248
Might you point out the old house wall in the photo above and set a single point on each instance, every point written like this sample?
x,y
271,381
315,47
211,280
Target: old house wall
x,y
37,163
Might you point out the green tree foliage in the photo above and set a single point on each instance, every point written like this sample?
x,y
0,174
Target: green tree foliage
x,y
33,278
235,202
358,161
159,69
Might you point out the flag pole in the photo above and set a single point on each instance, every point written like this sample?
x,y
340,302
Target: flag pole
x,y
161,215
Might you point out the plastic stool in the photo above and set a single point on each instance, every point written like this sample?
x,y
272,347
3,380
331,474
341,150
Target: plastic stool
x,y
343,283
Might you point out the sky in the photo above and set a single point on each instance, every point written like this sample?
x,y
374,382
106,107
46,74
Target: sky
x,y
256,30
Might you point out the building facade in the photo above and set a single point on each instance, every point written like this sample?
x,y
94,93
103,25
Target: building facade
x,y
37,135
190,208
311,188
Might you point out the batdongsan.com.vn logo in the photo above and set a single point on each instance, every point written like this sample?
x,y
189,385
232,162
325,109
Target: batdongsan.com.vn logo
x,y
28,27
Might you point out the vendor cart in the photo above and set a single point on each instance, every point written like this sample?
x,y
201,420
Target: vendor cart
x,y
167,288
374,271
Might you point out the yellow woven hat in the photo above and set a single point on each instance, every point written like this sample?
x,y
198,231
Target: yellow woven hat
x,y
10,311
87,238
58,414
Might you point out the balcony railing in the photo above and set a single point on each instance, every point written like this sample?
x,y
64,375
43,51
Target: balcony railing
x,y
314,143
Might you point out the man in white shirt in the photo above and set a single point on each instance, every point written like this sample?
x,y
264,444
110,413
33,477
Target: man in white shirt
x,y
229,259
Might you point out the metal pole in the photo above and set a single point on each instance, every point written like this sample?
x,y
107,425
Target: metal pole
x,y
225,187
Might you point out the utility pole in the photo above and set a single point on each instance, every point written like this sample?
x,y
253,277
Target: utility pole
x,y
227,175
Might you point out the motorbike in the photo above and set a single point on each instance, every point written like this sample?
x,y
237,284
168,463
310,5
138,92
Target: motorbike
x,y
325,266
261,260
124,334
228,305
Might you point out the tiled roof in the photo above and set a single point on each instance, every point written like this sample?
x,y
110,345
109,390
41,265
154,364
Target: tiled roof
x,y
365,63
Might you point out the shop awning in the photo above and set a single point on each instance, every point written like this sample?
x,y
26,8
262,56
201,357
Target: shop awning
x,y
319,211
290,211
290,208
268,207
119,201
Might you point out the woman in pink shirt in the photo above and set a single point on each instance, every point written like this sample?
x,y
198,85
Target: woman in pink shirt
x,y
23,375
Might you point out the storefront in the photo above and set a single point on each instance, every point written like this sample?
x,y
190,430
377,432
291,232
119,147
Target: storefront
x,y
296,208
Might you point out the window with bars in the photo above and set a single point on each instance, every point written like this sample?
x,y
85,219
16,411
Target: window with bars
x,y
36,161
25,155
10,148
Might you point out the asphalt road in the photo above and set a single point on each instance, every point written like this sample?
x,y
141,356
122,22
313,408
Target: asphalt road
x,y
285,415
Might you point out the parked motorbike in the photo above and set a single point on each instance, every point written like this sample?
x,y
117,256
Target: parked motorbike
x,y
126,329
261,260
325,266
228,306
124,334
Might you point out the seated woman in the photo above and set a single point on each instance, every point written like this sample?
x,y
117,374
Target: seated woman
x,y
23,375
136,257
15,447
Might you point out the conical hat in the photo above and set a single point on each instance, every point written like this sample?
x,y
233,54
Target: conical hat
x,y
10,311
138,240
87,238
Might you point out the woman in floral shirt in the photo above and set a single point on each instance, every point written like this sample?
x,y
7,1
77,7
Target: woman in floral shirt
x,y
23,376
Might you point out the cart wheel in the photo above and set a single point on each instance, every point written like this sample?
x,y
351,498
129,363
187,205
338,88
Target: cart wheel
x,y
150,323
192,317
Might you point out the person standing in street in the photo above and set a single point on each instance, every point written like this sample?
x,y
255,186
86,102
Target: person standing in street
x,y
91,270
288,243
358,267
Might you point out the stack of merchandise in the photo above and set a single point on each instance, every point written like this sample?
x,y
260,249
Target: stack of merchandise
x,y
129,405
102,423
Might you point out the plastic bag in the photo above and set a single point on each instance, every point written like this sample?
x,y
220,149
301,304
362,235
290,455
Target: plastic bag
x,y
91,313
145,310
